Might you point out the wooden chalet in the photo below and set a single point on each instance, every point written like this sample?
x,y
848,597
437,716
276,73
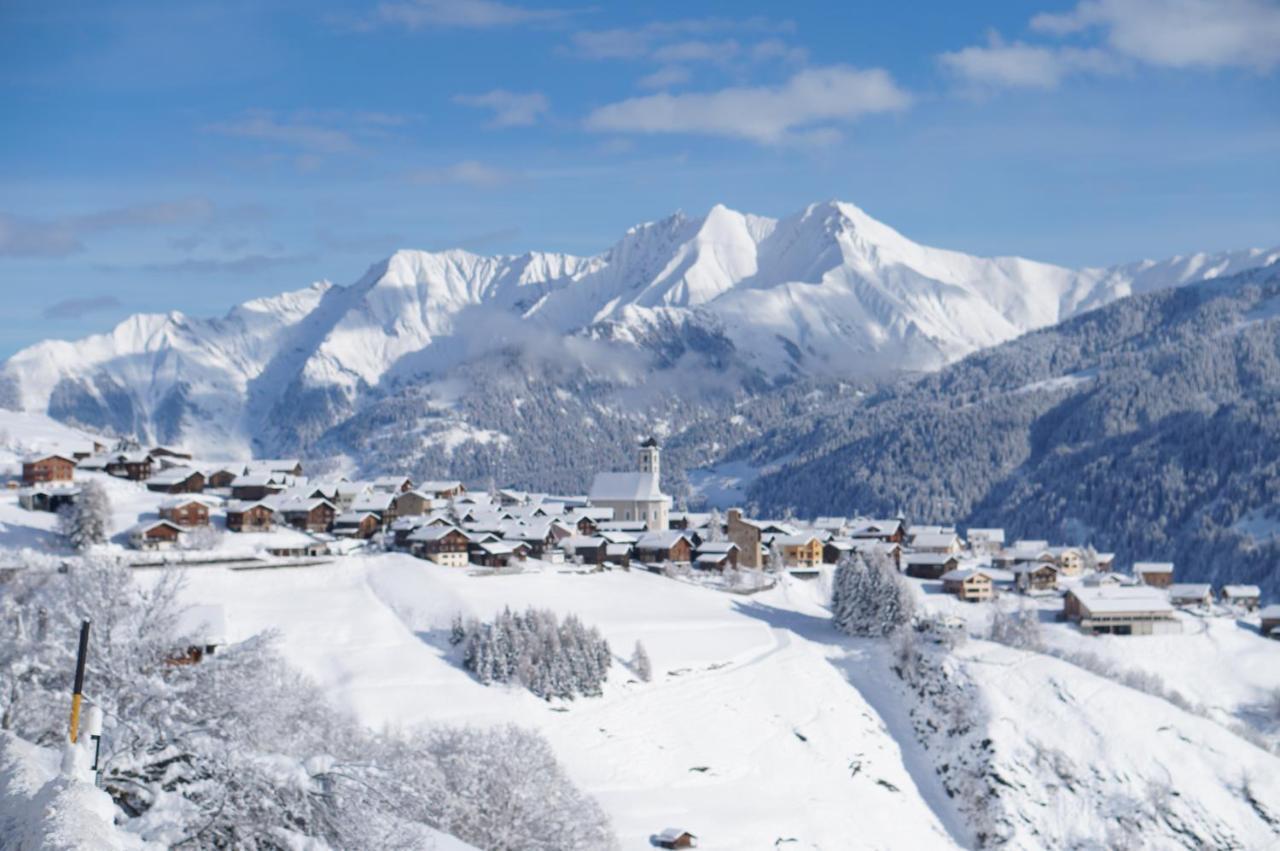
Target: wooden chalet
x,y
1191,594
354,524
134,466
969,584
803,550
155,535
310,515
1157,574
716,555
1246,597
443,490
411,503
177,480
221,477
1029,578
675,837
47,497
159,452
43,469
250,516
187,513
890,531
445,545
670,545
929,565
255,486
394,484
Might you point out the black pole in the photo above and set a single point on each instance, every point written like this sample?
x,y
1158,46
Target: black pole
x,y
81,657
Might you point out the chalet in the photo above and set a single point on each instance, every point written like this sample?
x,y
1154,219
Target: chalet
x,y
968,584
585,549
94,463
675,837
443,489
155,535
944,542
1102,580
445,545
159,452
1157,574
285,466
889,531
1104,562
309,515
1030,578
619,554
255,486
832,525
185,511
394,484
375,502
837,550
42,469
1135,610
929,565
716,555
691,520
1246,597
583,523
88,450
803,550
353,524
1024,551
492,553
1191,594
177,480
249,516
669,545
411,503
47,498
986,542
135,466
1269,619
220,477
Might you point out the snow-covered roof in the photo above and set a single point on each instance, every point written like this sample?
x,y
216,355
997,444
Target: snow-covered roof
x,y
145,526
934,539
433,533
928,558
798,540
1189,590
962,573
1141,567
186,499
664,540
1114,599
378,502
1271,612
671,834
255,480
626,487
723,547
990,536
617,549
439,485
1034,567
1241,591
238,506
353,517
173,475
711,558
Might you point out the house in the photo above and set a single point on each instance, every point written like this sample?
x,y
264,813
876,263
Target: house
x,y
492,553
716,555
177,480
667,545
166,452
42,469
929,565
285,466
675,837
445,545
443,489
249,516
1269,619
411,503
635,495
155,535
1246,597
1191,594
134,466
1070,560
185,511
803,550
1098,580
354,524
309,515
837,550
969,584
585,549
936,542
1104,562
1120,610
1035,577
220,477
985,542
380,503
47,497
618,553
888,531
1157,574
395,484
748,536
255,486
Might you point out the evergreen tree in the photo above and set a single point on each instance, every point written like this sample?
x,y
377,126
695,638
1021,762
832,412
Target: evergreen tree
x,y
87,521
640,663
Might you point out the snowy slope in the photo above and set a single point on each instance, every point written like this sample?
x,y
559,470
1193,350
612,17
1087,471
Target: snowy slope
x,y
829,291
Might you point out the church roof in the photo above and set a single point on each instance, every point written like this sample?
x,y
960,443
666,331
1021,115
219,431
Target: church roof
x,y
626,487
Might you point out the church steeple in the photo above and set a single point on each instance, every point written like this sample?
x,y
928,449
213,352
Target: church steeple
x,y
651,457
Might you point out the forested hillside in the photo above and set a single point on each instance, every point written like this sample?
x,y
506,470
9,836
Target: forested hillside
x,y
1150,427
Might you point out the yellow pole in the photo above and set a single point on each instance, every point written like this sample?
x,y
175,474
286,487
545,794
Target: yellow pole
x,y
78,689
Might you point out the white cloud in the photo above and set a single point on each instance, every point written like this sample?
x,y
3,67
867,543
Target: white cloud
x,y
697,51
1179,33
510,109
264,126
467,173
462,14
1021,65
665,77
59,237
802,109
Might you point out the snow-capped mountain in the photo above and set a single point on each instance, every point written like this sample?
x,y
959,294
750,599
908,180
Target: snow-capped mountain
x,y
828,292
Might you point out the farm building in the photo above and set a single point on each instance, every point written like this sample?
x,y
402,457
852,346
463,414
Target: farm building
x,y
47,498
1157,574
1028,578
1133,610
929,565
444,545
1245,596
1191,594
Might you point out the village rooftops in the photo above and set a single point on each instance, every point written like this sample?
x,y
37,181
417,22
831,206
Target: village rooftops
x,y
717,547
1242,592
1189,591
934,540
626,487
1034,567
664,540
1143,567
186,499
928,558
986,536
426,534
962,573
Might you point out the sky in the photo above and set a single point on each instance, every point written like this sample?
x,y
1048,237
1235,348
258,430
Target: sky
x,y
189,156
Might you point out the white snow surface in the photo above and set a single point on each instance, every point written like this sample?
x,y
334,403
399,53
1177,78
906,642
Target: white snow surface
x,y
828,291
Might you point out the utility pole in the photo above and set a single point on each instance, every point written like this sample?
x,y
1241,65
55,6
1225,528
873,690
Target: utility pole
x,y
77,691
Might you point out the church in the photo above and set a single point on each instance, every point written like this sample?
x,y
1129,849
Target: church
x,y
635,496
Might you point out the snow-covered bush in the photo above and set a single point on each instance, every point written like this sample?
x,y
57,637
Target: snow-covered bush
x,y
239,751
199,539
640,664
870,597
533,648
87,520
1020,628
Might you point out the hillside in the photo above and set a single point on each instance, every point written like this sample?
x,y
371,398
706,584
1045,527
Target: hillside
x,y
473,364
1148,427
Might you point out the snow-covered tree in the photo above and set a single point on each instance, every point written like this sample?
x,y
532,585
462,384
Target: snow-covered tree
x,y
870,598
199,538
533,648
1018,628
715,526
640,664
87,520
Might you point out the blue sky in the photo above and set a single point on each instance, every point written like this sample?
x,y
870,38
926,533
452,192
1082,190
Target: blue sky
x,y
162,156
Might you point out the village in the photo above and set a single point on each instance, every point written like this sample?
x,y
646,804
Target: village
x,y
624,522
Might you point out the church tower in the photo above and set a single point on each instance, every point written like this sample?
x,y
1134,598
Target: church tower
x,y
650,458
